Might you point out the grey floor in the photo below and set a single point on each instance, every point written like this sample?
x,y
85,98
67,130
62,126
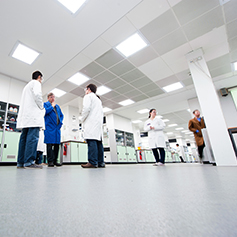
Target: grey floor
x,y
121,200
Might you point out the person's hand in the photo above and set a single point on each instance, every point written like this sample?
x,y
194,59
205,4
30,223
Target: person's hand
x,y
151,127
197,131
53,104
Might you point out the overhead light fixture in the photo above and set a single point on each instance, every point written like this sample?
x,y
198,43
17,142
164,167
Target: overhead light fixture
x,y
131,45
173,87
126,102
72,5
189,133
143,111
101,90
189,110
24,53
57,92
179,128
235,66
159,116
136,121
106,109
178,136
169,133
78,79
173,125
184,131
165,120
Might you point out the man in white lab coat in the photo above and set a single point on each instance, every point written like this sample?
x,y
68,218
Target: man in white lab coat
x,y
30,120
92,119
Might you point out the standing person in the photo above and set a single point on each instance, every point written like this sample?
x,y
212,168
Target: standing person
x,y
195,125
178,151
30,120
52,134
92,119
40,148
155,126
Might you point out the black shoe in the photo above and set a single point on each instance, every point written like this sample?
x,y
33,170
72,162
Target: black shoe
x,y
50,164
101,166
58,164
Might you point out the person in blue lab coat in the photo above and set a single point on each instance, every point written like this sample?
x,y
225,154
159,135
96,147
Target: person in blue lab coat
x,y
52,134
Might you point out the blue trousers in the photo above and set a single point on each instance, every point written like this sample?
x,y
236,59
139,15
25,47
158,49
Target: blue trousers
x,y
95,152
28,146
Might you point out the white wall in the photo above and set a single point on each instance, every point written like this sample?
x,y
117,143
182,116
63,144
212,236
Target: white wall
x,y
11,89
115,121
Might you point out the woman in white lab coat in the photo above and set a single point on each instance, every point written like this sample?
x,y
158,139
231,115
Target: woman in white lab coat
x,y
155,126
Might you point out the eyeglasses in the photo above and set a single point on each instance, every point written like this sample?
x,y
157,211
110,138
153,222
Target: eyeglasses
x,y
85,89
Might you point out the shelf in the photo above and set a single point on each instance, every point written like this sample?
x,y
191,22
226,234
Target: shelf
x,y
3,111
11,112
11,122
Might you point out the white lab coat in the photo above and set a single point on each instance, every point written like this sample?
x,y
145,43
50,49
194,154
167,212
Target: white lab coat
x,y
31,112
178,151
41,145
92,117
156,136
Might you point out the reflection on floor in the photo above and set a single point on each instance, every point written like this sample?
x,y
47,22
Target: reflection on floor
x,y
121,200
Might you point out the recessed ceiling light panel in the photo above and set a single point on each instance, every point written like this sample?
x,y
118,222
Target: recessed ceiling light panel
x,y
78,79
106,109
102,90
173,125
24,53
173,87
126,102
57,92
72,5
131,45
143,111
136,121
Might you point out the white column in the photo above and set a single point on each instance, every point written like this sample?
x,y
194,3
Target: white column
x,y
211,108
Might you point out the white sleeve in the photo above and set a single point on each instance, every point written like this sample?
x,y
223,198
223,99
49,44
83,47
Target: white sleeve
x,y
37,93
160,125
86,108
147,125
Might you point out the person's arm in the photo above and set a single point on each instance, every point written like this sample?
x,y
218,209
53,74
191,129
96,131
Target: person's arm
x,y
190,126
48,108
147,126
86,108
160,125
37,93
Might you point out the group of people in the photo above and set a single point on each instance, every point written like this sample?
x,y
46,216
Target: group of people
x,y
34,115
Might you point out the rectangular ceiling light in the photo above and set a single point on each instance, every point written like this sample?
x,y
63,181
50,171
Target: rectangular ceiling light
x,y
58,92
173,125
179,128
235,66
165,120
173,87
25,54
189,133
169,133
72,5
78,79
136,121
178,136
185,131
126,102
143,111
101,90
106,109
131,45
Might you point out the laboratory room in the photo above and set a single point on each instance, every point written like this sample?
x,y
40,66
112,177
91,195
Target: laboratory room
x,y
118,118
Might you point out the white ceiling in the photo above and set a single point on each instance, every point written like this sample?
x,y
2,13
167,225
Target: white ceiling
x,y
85,42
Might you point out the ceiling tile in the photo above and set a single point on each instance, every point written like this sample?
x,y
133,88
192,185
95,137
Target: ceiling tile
x,y
218,62
167,81
122,68
170,42
193,29
65,72
143,56
188,82
79,91
173,2
105,77
92,69
221,70
119,98
119,32
115,83
149,87
125,88
65,98
79,61
111,95
187,10
161,26
67,86
233,43
233,56
232,29
96,49
139,98
133,93
132,75
183,75
141,82
230,10
155,92
147,11
109,58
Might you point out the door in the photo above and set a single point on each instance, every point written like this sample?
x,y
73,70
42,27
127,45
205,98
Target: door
x,y
121,153
149,156
74,152
131,154
83,152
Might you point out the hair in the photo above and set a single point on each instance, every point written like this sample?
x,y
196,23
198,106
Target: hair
x,y
177,144
92,87
195,111
150,112
36,74
50,94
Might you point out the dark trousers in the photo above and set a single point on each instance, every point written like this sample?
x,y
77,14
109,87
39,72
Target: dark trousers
x,y
52,153
181,158
162,154
39,157
95,152
200,150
